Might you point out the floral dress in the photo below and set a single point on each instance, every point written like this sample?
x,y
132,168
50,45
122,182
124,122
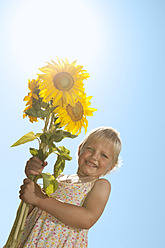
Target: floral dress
x,y
44,230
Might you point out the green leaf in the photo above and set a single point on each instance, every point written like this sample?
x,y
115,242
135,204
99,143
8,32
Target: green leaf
x,y
63,152
52,147
44,105
33,151
39,153
37,112
44,138
24,139
38,135
59,166
69,135
49,182
66,156
58,135
63,149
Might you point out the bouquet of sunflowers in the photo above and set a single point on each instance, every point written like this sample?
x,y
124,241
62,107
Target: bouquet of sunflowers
x,y
58,98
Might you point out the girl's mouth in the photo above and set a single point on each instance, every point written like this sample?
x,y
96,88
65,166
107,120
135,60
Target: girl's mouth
x,y
91,164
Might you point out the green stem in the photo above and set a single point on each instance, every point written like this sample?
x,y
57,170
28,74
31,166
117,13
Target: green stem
x,y
51,122
19,221
46,124
22,212
18,226
22,225
9,241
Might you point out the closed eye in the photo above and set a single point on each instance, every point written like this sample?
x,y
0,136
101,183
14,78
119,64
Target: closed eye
x,y
104,155
89,148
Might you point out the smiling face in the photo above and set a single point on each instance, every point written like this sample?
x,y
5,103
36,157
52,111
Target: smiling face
x,y
95,159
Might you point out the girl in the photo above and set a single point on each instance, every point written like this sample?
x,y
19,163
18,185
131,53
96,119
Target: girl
x,y
63,219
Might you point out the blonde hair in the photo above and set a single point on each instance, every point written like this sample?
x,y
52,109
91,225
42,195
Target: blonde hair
x,y
109,136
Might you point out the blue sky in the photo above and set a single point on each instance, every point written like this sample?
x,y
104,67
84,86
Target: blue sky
x,y
121,44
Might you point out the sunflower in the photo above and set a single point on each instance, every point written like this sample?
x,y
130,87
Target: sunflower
x,y
61,81
31,97
73,116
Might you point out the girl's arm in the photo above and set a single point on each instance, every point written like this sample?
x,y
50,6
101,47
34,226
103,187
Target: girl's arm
x,y
34,166
76,216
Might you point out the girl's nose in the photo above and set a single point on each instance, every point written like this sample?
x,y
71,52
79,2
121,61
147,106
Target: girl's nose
x,y
95,155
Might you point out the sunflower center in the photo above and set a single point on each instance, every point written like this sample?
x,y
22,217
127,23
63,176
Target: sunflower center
x,y
76,112
63,81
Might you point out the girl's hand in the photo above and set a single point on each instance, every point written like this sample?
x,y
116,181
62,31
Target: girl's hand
x,y
34,166
31,192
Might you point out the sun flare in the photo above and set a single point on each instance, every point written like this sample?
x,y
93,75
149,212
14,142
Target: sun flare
x,y
62,28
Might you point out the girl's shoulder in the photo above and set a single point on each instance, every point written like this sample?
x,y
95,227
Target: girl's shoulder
x,y
99,194
103,180
102,185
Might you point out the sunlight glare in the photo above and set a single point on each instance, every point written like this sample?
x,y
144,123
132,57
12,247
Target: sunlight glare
x,y
45,29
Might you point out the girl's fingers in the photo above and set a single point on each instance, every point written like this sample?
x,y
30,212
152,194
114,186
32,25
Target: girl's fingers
x,y
20,192
35,162
32,172
45,163
34,166
27,180
24,185
35,158
21,187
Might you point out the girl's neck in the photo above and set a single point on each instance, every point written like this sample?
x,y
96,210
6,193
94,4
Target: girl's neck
x,y
82,175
